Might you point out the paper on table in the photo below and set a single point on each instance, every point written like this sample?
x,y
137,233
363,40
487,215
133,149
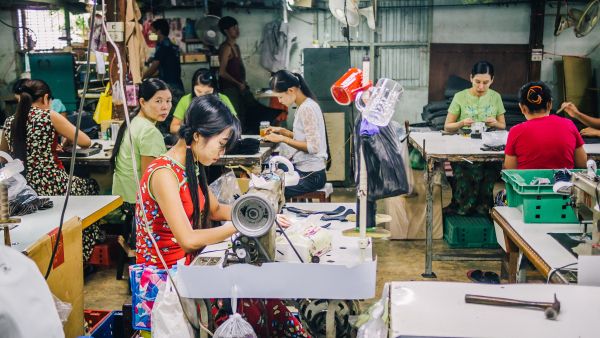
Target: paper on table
x,y
587,270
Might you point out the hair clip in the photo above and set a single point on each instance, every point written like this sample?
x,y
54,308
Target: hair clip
x,y
532,90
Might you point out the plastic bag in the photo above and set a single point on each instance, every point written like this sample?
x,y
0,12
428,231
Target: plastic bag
x,y
23,200
226,188
168,319
104,107
63,309
145,281
235,326
385,158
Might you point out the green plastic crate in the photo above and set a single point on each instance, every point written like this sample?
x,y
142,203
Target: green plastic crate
x,y
538,203
469,232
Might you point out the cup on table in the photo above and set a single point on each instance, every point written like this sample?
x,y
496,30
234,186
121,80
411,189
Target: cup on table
x,y
478,127
114,130
263,128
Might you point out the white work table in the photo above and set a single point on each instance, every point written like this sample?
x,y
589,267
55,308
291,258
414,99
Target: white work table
x,y
33,226
336,276
436,149
533,240
438,309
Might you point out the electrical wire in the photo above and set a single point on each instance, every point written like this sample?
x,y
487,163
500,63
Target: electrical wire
x,y
553,271
20,27
72,164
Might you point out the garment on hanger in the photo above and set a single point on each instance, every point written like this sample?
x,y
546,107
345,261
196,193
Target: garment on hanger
x,y
134,39
276,43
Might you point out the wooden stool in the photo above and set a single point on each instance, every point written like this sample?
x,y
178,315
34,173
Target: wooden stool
x,y
127,255
323,195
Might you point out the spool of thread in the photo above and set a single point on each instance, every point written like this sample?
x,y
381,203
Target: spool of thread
x,y
4,203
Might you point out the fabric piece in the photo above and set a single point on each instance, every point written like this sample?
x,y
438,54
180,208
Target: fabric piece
x,y
186,101
147,141
170,249
466,105
136,46
28,308
169,68
276,43
268,317
472,187
544,143
409,212
309,127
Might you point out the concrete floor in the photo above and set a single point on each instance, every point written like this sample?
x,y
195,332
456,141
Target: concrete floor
x,y
397,261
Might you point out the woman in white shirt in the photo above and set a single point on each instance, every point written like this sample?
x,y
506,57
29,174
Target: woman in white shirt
x,y
306,145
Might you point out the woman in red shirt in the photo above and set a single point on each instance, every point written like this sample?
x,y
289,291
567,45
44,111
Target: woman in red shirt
x,y
544,141
178,206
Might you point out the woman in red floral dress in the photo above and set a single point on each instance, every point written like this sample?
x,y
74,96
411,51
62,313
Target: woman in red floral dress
x,y
176,206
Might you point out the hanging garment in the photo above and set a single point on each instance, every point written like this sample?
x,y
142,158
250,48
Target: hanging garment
x,y
134,39
276,43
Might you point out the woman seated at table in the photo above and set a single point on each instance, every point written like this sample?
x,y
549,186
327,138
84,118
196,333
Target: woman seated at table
x,y
203,82
307,143
31,135
473,184
176,205
544,141
148,144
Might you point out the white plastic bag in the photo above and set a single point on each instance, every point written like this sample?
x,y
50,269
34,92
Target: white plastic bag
x,y
235,326
168,319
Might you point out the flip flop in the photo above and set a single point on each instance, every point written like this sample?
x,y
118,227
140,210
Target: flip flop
x,y
341,217
476,276
491,277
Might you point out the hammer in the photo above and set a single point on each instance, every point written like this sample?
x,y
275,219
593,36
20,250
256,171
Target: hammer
x,y
551,310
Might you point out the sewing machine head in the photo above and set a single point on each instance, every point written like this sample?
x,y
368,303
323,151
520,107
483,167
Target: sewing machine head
x,y
584,197
254,216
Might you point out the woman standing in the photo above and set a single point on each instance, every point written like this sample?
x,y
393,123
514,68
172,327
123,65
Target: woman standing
x,y
203,83
307,142
148,143
232,80
31,135
473,184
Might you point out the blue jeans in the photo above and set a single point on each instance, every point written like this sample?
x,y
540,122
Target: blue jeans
x,y
309,182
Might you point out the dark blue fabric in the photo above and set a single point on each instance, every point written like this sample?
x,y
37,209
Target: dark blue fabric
x,y
309,182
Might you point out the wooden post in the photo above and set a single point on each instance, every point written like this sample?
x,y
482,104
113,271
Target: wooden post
x,y
115,11
536,37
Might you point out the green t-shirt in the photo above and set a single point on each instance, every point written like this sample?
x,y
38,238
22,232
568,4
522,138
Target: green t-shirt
x,y
147,141
466,105
186,100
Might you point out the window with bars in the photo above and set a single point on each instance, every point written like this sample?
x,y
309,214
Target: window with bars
x,y
45,29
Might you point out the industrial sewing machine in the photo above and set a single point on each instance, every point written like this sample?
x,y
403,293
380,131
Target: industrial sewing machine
x,y
584,198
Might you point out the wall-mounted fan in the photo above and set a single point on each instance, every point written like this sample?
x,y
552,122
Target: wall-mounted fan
x,y
582,21
352,12
207,30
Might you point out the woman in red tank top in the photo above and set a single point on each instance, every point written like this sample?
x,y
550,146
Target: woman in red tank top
x,y
177,206
176,182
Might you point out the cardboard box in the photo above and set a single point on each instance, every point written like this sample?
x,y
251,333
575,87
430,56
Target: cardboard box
x,y
66,278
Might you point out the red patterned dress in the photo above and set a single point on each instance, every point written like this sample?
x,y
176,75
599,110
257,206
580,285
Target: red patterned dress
x,y
270,315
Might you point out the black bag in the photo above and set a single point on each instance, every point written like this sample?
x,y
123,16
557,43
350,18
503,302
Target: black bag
x,y
245,146
386,173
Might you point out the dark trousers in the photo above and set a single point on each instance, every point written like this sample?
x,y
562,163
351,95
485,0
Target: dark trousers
x,y
309,182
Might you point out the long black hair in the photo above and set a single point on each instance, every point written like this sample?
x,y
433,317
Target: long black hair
x,y
148,89
206,77
282,80
536,96
208,116
29,91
